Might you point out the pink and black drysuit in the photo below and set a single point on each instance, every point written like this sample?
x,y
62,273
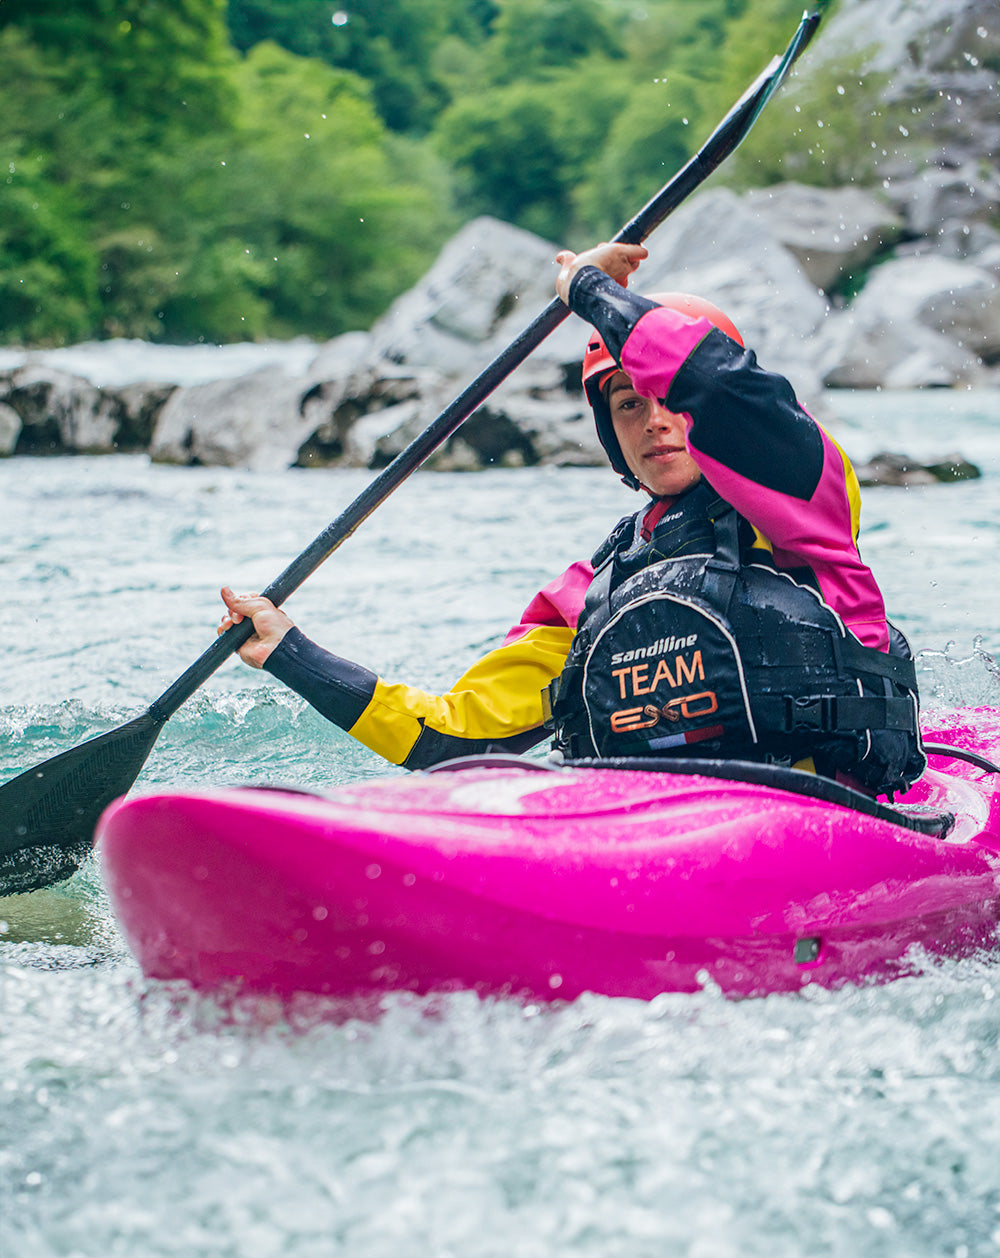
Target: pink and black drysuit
x,y
795,511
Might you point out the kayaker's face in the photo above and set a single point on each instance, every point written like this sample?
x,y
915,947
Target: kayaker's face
x,y
652,439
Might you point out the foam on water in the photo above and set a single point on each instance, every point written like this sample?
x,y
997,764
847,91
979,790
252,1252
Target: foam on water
x,y
147,1120
142,1119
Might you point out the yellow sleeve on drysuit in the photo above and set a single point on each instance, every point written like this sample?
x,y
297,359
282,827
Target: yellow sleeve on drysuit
x,y
500,696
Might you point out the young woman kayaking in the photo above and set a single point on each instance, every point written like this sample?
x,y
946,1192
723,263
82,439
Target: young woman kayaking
x,y
731,616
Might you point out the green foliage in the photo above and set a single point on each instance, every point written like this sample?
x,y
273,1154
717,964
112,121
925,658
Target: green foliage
x,y
685,38
109,106
201,170
48,279
531,38
160,63
317,195
831,126
598,104
525,148
279,206
390,43
507,147
829,123
650,138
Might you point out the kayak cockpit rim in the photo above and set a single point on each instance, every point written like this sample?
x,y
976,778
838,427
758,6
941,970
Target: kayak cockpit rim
x,y
920,818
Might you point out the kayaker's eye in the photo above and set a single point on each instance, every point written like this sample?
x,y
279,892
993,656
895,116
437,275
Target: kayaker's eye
x,y
626,404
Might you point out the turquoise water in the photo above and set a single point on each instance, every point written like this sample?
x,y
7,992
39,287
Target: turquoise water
x,y
141,1120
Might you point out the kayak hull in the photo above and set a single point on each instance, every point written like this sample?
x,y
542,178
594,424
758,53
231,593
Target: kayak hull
x,y
544,884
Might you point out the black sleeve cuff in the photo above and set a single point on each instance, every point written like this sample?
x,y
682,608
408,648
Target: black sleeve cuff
x,y
433,748
612,310
336,688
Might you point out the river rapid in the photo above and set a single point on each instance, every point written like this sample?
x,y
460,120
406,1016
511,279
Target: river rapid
x,y
140,1119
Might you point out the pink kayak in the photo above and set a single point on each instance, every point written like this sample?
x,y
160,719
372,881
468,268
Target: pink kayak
x,y
509,877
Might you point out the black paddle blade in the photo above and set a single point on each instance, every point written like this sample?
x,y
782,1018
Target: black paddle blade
x,y
48,814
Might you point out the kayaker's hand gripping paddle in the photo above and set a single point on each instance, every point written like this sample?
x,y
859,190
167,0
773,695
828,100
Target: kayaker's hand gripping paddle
x,y
48,814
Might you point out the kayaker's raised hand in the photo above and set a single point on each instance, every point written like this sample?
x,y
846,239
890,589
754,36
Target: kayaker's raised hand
x,y
618,261
270,624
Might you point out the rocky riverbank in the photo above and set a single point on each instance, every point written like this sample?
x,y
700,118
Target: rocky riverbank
x,y
921,250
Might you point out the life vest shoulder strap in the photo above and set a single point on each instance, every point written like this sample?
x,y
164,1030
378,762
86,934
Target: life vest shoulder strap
x,y
866,659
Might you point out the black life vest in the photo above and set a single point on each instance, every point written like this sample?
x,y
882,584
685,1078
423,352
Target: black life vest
x,y
686,647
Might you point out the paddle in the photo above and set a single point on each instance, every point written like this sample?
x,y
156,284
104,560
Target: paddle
x,y
48,814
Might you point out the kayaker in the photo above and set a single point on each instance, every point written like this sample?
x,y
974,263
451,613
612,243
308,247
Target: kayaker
x,y
731,616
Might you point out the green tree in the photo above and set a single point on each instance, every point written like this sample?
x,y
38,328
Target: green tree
x,y
318,199
651,137
675,36
391,43
530,38
598,104
116,102
160,63
288,208
524,150
508,150
157,181
48,275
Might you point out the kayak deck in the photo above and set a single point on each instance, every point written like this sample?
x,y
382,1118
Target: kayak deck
x,y
517,880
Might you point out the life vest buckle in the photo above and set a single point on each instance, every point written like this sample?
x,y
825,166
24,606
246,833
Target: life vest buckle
x,y
810,711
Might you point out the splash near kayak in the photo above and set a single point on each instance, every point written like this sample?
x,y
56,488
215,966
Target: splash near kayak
x,y
516,879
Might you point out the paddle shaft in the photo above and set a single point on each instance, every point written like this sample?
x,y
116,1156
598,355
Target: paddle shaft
x,y
723,141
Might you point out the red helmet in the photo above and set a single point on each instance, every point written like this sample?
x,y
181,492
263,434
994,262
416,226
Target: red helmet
x,y
599,364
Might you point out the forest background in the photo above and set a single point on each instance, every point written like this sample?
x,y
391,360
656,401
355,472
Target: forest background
x,y
194,170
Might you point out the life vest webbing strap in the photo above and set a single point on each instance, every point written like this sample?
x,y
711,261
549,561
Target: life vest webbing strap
x,y
866,659
831,713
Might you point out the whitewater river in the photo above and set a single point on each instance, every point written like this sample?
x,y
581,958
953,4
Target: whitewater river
x,y
137,1119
